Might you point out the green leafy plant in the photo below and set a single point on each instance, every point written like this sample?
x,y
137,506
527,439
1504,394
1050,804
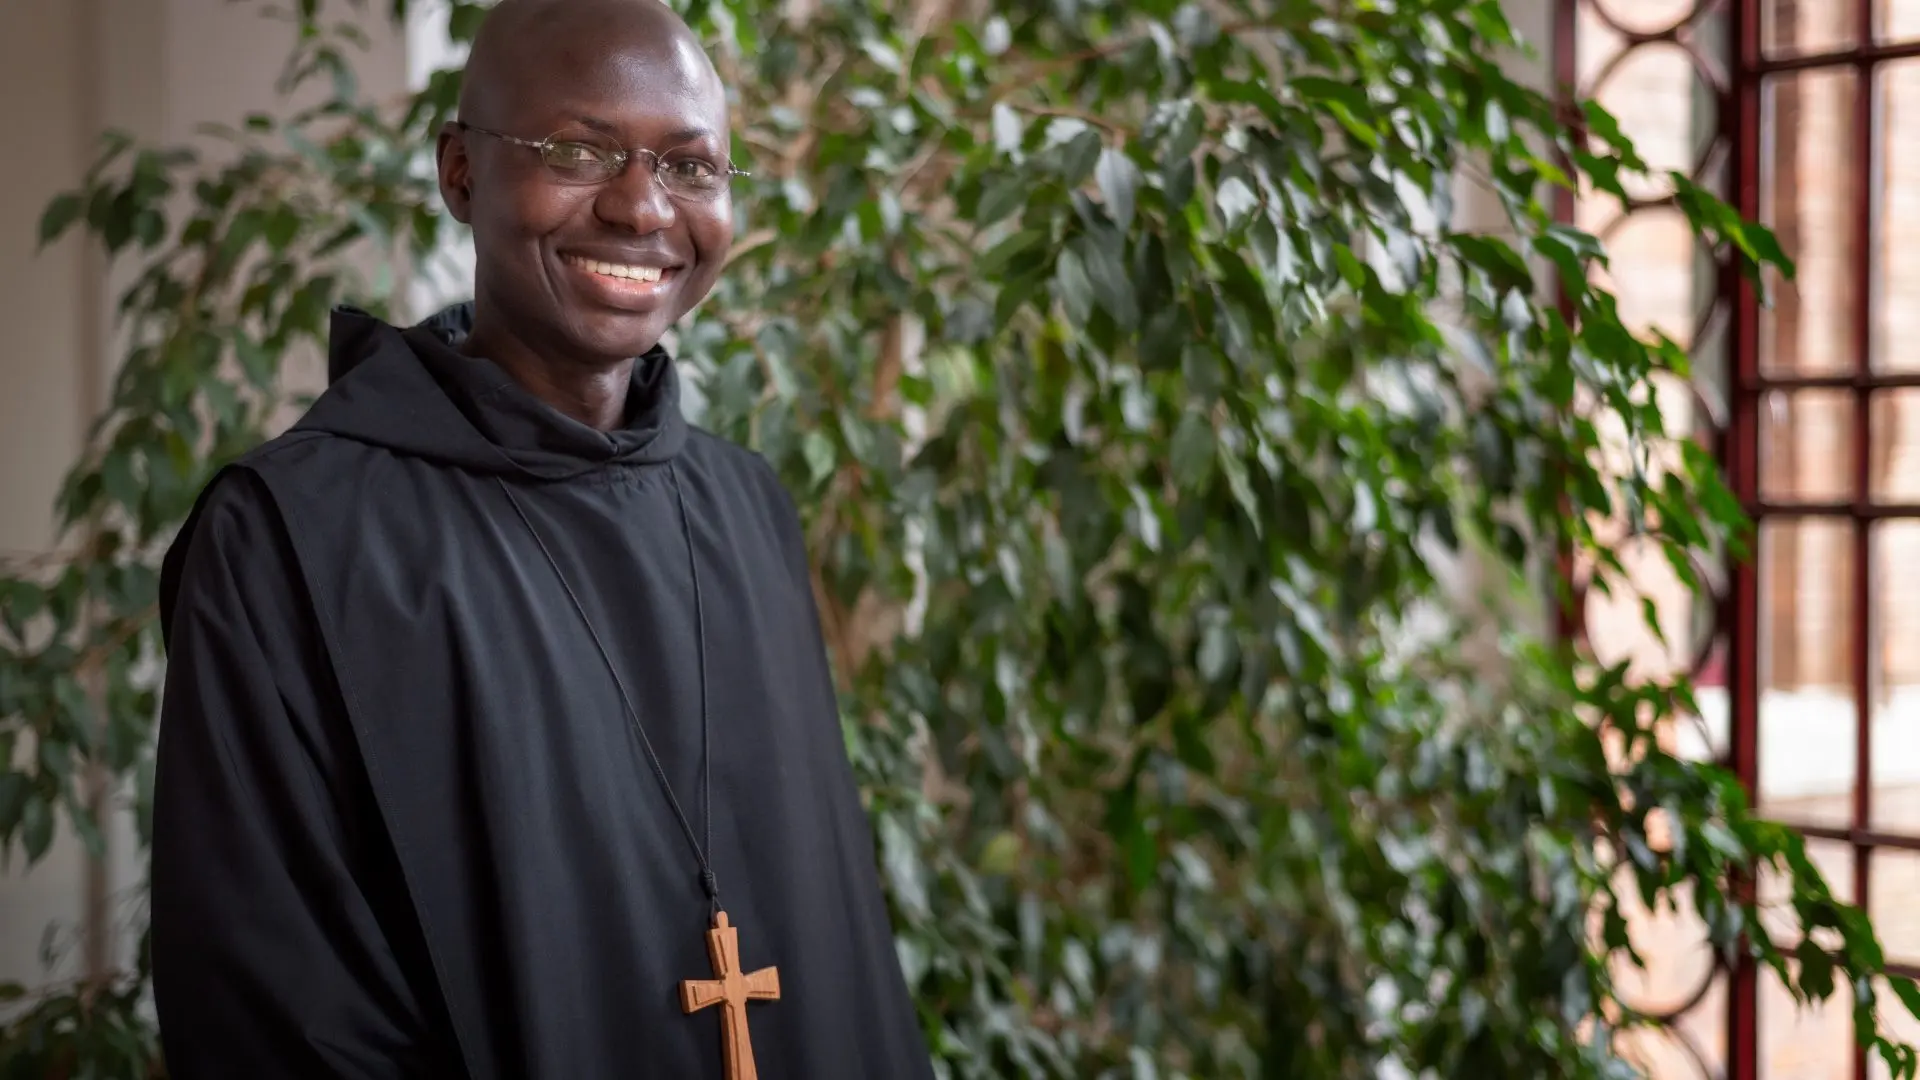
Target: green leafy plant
x,y
1138,390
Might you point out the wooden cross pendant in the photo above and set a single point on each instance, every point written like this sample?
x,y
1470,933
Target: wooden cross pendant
x,y
733,989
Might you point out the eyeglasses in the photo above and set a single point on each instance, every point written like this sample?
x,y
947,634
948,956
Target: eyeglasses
x,y
585,159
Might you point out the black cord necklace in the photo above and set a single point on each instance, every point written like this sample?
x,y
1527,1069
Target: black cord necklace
x,y
730,988
707,879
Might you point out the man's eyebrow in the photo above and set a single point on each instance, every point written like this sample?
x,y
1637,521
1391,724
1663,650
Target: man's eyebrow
x,y
691,134
683,135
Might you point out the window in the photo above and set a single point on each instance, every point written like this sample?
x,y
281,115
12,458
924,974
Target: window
x,y
1806,114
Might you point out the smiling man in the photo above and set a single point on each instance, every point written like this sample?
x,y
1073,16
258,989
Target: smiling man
x,y
498,739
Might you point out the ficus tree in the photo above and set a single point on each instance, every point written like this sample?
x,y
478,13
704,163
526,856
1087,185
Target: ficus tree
x,y
1139,390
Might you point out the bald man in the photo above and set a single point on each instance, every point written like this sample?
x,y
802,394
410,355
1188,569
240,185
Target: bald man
x,y
498,739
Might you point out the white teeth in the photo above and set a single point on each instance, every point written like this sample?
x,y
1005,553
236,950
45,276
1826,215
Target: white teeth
x,y
616,270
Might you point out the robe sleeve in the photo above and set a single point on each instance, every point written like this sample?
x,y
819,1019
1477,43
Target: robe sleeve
x,y
280,937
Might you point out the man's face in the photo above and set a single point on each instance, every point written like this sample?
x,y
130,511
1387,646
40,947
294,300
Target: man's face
x,y
593,273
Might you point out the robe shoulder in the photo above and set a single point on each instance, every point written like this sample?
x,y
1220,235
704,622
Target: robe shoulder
x,y
233,512
308,459
318,484
755,479
748,466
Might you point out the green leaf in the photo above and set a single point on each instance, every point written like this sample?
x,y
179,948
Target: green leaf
x,y
905,872
1352,96
1192,451
1723,841
1816,970
1119,180
116,474
1108,277
36,827
1143,857
1493,256
60,216
1003,195
281,228
1908,992
1241,486
1216,654
56,760
1078,158
1601,125
13,801
1073,287
1237,202
820,455
1008,251
464,19
1191,747
1176,126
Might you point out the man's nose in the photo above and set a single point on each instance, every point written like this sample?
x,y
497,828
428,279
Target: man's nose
x,y
636,199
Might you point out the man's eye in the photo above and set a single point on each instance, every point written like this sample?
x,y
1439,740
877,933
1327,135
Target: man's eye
x,y
692,169
574,155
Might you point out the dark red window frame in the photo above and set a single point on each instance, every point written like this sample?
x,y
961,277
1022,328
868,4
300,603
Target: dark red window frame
x,y
1739,444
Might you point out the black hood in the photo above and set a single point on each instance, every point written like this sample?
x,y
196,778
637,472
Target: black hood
x,y
413,392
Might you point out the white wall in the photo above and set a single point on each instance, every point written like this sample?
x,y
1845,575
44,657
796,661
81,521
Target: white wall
x,y
70,69
41,401
43,389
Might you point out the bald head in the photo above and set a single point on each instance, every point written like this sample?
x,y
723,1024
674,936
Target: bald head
x,y
519,38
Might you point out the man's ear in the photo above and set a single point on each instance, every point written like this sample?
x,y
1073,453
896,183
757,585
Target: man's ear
x,y
456,172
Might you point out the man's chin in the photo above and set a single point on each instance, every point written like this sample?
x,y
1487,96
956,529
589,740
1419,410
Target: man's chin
x,y
612,341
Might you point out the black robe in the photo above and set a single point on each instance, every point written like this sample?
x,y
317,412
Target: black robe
x,y
403,824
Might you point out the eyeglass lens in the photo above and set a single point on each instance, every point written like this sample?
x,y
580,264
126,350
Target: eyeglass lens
x,y
590,159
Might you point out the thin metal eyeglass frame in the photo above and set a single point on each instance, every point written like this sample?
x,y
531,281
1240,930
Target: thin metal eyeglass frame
x,y
624,159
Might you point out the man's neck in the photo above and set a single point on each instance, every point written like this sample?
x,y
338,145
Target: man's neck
x,y
594,395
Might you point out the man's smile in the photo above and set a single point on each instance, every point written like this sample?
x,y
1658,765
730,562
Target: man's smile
x,y
618,270
620,284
